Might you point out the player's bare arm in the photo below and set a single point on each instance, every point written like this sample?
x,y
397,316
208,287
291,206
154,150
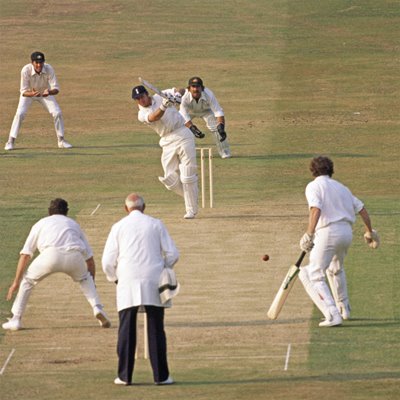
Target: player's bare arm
x,y
313,219
21,267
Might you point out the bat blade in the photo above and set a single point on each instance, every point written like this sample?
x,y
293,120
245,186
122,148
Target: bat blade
x,y
285,288
152,87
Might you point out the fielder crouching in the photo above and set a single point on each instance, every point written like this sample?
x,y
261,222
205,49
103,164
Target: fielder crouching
x,y
332,212
178,157
63,248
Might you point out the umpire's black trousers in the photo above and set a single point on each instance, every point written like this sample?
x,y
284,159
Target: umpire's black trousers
x,y
127,343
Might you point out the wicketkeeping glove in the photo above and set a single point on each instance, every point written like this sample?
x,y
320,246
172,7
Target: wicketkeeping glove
x,y
307,242
372,239
221,131
197,132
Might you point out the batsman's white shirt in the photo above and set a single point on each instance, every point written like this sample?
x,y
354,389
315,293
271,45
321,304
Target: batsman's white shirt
x,y
31,79
59,232
171,120
335,201
207,103
137,249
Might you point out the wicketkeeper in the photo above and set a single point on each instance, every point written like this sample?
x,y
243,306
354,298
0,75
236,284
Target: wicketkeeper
x,y
199,101
333,210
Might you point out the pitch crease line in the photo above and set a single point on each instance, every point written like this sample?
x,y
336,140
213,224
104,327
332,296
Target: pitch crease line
x,y
98,206
289,348
7,361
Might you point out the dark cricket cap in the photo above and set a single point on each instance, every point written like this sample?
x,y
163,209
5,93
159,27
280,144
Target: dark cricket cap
x,y
196,81
37,56
137,91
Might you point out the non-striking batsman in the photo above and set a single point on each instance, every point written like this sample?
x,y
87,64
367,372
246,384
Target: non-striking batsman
x,y
203,156
285,288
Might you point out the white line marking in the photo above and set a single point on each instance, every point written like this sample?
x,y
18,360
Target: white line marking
x,y
98,206
287,357
7,361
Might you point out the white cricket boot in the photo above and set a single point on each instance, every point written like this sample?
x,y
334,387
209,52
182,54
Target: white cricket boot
x,y
63,144
102,317
334,319
13,324
10,145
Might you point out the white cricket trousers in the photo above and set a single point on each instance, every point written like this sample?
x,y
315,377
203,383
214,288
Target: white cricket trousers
x,y
179,163
327,257
49,103
50,261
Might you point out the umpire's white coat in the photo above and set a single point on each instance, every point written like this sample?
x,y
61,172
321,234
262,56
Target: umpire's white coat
x,y
137,249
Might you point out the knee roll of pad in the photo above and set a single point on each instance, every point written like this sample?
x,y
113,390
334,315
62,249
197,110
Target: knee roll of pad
x,y
188,174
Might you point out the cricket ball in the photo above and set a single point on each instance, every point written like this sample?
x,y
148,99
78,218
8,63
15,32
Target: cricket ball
x,y
265,257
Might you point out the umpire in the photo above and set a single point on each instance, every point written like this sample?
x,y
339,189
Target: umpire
x,y
136,252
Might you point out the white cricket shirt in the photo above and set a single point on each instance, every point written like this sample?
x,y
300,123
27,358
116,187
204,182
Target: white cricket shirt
x,y
169,122
335,201
31,79
137,249
57,231
191,108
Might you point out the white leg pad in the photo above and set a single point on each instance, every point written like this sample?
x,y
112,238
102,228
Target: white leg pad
x,y
190,187
172,182
319,293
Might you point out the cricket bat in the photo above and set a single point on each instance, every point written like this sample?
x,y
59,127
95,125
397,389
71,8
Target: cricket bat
x,y
152,87
285,288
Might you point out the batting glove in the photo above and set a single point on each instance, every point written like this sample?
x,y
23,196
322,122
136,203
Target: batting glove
x,y
307,242
178,98
197,132
372,239
221,131
166,103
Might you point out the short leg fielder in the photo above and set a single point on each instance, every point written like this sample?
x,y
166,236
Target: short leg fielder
x,y
49,103
51,261
222,147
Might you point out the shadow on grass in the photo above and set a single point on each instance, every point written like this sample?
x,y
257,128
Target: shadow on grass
x,y
295,156
221,324
34,152
290,378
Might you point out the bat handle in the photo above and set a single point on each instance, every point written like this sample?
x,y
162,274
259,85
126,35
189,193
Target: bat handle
x,y
301,258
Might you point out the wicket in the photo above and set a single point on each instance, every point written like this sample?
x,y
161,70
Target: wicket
x,y
145,340
203,155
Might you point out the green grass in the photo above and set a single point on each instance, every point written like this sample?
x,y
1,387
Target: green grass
x,y
296,78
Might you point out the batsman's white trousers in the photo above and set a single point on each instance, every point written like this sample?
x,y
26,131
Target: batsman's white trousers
x,y
327,256
211,122
179,154
49,103
50,261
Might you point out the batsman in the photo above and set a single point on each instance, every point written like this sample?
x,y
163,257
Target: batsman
x,y
178,157
332,212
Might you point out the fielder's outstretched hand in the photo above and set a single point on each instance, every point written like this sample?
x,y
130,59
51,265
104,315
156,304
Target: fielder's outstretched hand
x,y
197,132
221,131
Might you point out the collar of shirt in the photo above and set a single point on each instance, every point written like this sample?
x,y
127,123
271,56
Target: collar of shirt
x,y
202,97
44,70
